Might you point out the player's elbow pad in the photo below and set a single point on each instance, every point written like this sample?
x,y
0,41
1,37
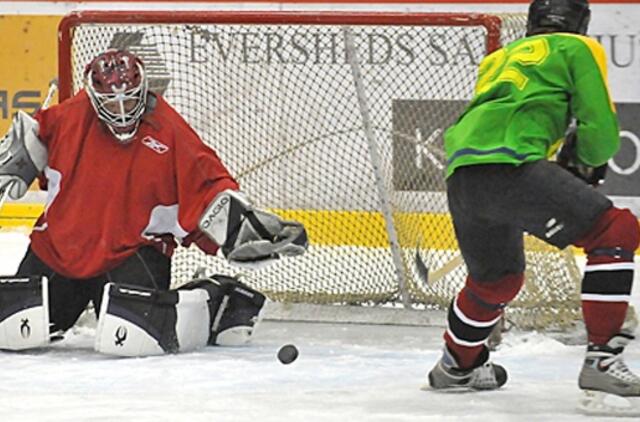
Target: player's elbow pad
x,y
22,155
247,235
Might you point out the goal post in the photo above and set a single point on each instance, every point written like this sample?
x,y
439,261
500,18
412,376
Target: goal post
x,y
334,119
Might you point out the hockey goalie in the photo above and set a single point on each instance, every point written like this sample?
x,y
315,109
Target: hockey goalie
x,y
127,178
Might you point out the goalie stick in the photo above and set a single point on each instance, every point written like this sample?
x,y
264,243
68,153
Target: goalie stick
x,y
53,88
429,277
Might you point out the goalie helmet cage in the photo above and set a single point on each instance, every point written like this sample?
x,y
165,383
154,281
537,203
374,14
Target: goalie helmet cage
x,y
334,119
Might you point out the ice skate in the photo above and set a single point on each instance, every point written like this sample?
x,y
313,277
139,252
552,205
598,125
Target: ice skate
x,y
609,387
484,375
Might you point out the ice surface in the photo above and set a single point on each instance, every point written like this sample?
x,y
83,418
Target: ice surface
x,y
344,373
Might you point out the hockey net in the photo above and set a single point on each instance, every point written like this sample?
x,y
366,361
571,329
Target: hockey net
x,y
334,120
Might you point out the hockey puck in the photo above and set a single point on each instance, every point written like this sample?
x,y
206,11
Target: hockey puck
x,y
287,354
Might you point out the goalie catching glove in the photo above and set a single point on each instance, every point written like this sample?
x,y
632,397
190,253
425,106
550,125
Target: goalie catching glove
x,y
247,235
568,159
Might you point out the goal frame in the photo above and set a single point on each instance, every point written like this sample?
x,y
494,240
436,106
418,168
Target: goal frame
x,y
494,26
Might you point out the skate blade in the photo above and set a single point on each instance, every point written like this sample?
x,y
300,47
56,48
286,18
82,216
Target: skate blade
x,y
448,390
598,403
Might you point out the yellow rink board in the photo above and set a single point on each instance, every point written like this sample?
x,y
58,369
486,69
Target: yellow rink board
x,y
19,215
325,228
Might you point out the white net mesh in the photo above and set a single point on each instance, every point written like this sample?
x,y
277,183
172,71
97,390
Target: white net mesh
x,y
348,144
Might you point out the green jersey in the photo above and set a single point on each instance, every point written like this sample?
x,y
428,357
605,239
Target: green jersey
x,y
525,97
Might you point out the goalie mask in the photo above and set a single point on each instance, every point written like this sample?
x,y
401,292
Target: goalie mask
x,y
117,86
558,16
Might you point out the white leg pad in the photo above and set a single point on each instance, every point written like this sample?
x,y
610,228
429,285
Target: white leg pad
x,y
193,320
179,326
120,337
26,326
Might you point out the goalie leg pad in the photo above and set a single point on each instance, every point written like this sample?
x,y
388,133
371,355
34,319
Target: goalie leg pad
x,y
24,312
137,321
235,309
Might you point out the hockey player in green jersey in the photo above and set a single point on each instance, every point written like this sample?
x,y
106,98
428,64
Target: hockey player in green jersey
x,y
501,184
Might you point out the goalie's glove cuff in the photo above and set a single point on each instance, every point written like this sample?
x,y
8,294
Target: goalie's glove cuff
x,y
250,236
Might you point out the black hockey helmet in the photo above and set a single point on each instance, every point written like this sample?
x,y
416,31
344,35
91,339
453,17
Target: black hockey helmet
x,y
558,16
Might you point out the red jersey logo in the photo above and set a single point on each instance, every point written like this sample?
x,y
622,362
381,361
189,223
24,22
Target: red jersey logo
x,y
155,145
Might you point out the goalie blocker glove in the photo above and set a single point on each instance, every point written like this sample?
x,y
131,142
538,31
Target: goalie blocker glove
x,y
22,155
247,235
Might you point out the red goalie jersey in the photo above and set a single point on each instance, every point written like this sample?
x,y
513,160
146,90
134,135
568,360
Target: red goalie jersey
x,y
106,199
